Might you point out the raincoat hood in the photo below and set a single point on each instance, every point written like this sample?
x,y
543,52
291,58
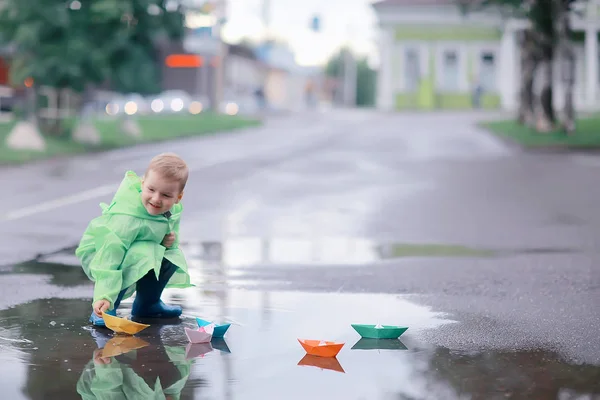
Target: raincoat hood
x,y
128,200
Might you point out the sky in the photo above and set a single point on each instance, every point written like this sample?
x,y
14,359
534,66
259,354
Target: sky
x,y
342,22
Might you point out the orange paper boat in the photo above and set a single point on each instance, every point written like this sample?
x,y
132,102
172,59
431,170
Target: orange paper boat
x,y
321,348
122,344
330,363
122,325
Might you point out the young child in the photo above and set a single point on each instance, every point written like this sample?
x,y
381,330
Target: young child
x,y
134,245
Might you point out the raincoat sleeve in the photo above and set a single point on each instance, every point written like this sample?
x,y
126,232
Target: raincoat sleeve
x,y
174,253
176,230
112,240
101,382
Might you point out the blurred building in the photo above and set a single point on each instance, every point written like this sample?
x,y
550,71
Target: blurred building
x,y
288,86
435,57
7,92
244,76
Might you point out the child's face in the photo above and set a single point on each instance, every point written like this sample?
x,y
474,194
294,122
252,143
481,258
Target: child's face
x,y
159,194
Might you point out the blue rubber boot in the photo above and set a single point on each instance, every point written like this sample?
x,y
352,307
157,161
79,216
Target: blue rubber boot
x,y
98,321
147,303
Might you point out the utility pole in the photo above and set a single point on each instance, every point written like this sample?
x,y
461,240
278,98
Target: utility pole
x,y
266,17
349,69
349,79
220,14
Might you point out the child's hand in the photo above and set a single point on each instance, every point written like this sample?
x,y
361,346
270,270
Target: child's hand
x,y
98,359
169,240
100,306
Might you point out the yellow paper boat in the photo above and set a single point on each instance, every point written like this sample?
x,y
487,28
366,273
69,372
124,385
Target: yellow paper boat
x,y
122,344
122,325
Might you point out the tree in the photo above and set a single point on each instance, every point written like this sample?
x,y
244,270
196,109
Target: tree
x,y
564,34
548,32
366,78
76,43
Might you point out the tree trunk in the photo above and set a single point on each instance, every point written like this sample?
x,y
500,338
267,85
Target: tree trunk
x,y
567,66
529,64
31,98
55,125
546,118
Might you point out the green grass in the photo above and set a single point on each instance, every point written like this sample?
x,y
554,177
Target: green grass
x,y
154,129
587,135
435,250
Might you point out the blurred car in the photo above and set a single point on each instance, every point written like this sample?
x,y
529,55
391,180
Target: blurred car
x,y
241,104
130,104
170,102
177,101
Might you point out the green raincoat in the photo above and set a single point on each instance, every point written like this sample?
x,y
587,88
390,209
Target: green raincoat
x,y
119,247
118,381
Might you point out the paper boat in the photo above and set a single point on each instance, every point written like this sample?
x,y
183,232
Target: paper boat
x,y
379,331
122,325
321,348
379,344
200,335
330,363
122,344
194,350
219,331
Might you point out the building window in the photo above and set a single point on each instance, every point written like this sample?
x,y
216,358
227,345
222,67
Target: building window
x,y
412,70
487,72
450,71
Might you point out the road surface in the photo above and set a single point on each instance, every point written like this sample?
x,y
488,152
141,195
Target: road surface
x,y
313,222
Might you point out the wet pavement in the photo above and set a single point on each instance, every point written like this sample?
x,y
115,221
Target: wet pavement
x,y
303,227
51,352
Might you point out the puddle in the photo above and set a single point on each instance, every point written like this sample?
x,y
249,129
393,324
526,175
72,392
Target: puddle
x,y
251,251
61,274
51,352
238,252
241,252
433,250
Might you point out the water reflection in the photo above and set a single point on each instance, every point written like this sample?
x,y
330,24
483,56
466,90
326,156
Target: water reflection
x,y
379,344
330,363
160,372
238,252
246,251
68,359
51,352
195,350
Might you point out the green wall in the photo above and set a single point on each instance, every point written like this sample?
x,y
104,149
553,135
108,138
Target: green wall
x,y
426,97
447,32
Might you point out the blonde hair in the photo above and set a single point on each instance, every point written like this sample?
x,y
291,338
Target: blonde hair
x,y
170,166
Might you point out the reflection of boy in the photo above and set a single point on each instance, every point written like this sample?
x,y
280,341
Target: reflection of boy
x,y
134,244
145,374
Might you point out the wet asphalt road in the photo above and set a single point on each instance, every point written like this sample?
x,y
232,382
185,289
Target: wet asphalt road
x,y
296,230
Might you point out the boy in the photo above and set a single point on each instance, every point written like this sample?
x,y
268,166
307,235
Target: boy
x,y
134,245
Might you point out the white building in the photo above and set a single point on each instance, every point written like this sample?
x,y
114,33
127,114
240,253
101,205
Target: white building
x,y
286,83
432,56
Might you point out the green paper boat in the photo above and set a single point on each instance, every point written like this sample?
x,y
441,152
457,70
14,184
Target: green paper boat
x,y
379,344
379,331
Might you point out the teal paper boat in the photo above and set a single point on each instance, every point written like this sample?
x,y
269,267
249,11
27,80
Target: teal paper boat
x,y
379,331
219,331
379,344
